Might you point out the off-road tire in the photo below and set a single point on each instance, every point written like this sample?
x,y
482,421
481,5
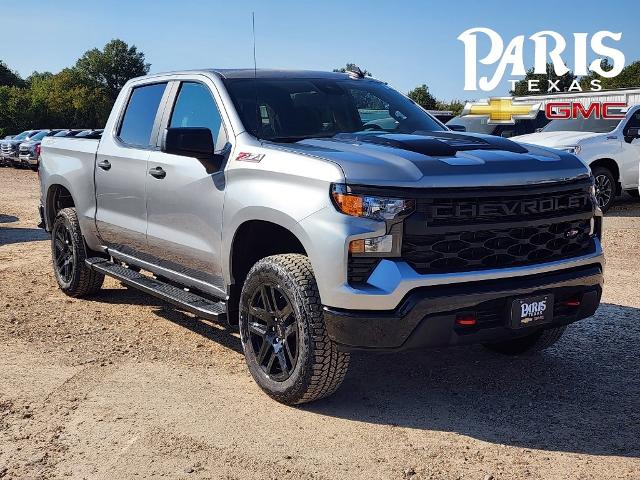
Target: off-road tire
x,y
320,367
605,172
528,345
83,281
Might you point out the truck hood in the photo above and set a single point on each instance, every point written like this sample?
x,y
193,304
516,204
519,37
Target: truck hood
x,y
556,139
440,159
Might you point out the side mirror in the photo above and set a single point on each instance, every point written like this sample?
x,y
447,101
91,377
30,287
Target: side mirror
x,y
633,132
457,128
188,141
193,142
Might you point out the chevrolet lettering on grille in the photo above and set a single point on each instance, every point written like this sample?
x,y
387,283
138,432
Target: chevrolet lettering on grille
x,y
509,207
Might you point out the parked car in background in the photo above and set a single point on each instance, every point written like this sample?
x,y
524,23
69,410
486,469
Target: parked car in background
x,y
9,147
610,147
90,133
480,125
29,151
69,132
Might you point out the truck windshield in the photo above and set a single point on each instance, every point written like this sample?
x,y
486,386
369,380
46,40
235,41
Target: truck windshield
x,y
293,109
40,135
591,124
22,136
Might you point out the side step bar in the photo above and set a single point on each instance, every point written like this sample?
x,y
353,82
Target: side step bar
x,y
204,308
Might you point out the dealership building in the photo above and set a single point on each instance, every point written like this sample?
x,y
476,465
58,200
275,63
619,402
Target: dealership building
x,y
629,96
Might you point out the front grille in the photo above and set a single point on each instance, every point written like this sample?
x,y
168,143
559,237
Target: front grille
x,y
473,229
497,248
7,148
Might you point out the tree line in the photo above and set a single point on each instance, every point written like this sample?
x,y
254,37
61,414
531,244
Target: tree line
x,y
80,96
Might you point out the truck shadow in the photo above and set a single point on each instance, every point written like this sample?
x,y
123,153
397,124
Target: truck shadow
x,y
21,235
582,395
219,333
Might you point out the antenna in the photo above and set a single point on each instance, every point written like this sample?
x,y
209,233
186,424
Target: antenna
x,y
255,77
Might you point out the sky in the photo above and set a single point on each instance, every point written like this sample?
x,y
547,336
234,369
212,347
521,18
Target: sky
x,y
406,43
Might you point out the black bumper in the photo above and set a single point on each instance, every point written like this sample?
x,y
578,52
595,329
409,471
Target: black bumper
x,y
427,316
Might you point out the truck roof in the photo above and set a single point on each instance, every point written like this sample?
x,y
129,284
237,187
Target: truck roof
x,y
233,73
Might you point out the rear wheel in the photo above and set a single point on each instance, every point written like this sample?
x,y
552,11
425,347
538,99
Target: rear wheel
x,y
532,343
284,339
69,253
605,187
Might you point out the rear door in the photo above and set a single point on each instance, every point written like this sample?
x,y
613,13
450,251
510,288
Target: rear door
x,y
121,171
184,206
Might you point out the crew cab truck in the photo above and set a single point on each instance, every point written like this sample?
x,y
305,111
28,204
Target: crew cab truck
x,y
611,147
270,200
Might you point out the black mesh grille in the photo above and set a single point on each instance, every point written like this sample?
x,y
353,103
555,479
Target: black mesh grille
x,y
497,248
360,268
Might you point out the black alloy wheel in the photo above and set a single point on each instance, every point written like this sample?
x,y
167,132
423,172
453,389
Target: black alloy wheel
x,y
63,257
605,184
273,332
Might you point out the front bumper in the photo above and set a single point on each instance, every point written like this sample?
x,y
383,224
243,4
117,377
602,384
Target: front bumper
x,y
427,316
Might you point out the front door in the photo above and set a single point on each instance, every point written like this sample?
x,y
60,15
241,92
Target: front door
x,y
121,172
185,200
631,164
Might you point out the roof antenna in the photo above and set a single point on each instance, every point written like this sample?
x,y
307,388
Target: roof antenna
x,y
255,78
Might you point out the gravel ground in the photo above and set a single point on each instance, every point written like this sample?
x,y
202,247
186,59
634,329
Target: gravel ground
x,y
124,386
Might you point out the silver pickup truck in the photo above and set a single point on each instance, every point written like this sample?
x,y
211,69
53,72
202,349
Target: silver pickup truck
x,y
322,213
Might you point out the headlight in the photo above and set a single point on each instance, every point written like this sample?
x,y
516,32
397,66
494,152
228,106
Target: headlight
x,y
376,208
575,149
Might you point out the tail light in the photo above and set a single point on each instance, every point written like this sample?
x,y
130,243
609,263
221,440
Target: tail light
x,y
37,150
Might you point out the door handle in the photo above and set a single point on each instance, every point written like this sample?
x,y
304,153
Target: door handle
x,y
157,172
105,164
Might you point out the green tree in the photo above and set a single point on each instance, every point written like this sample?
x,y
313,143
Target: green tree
x,y
352,67
522,86
423,97
8,77
111,67
454,106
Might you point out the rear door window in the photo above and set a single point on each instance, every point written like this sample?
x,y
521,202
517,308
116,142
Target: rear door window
x,y
139,117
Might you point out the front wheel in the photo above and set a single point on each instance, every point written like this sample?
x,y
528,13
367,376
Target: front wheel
x,y
605,187
69,253
283,334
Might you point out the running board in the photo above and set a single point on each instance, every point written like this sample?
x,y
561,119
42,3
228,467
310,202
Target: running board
x,y
204,308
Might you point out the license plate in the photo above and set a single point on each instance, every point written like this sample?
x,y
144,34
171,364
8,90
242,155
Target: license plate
x,y
527,312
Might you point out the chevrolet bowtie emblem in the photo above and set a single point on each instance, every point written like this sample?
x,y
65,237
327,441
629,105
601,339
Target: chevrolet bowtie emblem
x,y
502,110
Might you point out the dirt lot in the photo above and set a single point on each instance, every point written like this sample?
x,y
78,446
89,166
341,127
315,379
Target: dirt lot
x,y
123,386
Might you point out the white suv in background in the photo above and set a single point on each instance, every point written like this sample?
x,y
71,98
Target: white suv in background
x,y
610,147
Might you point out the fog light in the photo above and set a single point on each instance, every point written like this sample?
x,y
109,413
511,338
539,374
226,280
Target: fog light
x,y
382,244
